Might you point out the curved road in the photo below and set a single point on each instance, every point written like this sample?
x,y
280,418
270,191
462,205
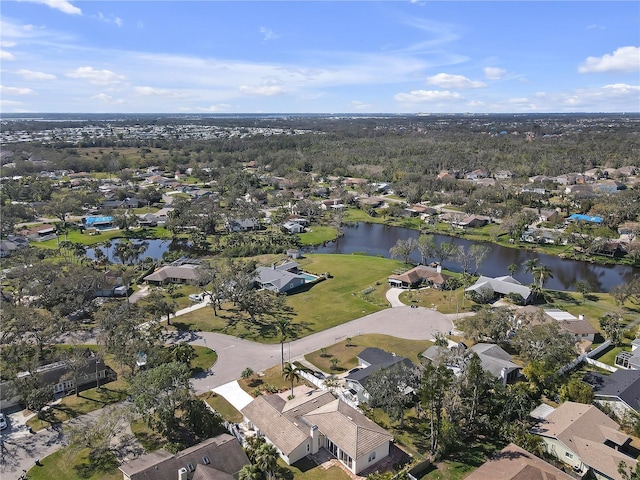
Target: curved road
x,y
234,354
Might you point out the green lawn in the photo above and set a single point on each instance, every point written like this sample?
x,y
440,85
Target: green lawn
x,y
317,234
67,465
346,355
593,307
444,301
356,289
85,238
205,359
306,469
223,407
270,377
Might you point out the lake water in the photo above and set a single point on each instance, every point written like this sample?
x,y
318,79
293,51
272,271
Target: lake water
x,y
154,250
377,239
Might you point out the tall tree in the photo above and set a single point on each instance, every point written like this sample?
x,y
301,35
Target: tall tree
x,y
426,246
435,381
403,249
266,460
391,390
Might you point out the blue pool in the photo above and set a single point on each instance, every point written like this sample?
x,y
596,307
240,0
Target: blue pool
x,y
308,278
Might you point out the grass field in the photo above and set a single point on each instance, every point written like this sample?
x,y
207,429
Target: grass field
x,y
356,289
346,355
444,301
271,377
223,407
317,234
68,465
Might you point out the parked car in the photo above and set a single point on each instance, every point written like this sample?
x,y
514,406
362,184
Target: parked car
x,y
196,297
3,422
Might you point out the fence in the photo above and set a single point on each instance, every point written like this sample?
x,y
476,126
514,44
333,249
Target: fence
x,y
588,357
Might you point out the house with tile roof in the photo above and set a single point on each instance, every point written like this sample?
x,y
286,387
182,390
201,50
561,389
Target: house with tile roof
x,y
515,463
620,391
186,273
217,458
317,420
585,439
418,275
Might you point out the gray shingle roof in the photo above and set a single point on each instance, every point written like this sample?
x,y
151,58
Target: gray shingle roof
x,y
623,384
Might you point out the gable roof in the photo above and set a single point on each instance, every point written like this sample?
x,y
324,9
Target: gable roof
x,y
224,453
274,276
502,285
584,430
622,384
287,424
493,358
421,272
515,463
187,271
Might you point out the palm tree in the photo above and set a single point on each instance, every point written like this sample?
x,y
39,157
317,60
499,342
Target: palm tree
x,y
513,268
292,372
249,472
266,459
284,329
529,265
542,273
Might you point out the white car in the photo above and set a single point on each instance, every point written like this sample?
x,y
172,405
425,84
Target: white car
x,y
196,297
3,422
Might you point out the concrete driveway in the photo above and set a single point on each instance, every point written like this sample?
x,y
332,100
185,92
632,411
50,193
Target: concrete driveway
x,y
393,297
234,354
234,395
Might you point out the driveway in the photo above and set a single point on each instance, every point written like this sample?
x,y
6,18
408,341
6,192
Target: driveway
x,y
235,354
393,296
234,395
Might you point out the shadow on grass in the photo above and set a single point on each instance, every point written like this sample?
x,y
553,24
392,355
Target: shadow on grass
x,y
97,464
305,464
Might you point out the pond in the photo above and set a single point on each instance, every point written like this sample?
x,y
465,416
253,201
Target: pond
x,y
377,239
155,249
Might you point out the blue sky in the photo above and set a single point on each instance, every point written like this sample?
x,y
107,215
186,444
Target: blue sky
x,y
319,57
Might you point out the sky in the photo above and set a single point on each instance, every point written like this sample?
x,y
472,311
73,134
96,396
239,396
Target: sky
x,y
144,56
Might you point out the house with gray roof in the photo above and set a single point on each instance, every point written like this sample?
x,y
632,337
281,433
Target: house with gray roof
x,y
186,273
620,391
371,360
317,420
488,287
278,279
217,458
585,439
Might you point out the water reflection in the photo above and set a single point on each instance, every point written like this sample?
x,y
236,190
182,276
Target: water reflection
x,y
377,239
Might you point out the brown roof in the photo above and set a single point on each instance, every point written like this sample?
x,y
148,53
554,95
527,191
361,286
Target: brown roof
x,y
515,463
287,424
584,429
418,273
224,455
577,327
184,272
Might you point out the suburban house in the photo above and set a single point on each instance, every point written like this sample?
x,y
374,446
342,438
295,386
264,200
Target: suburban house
x,y
472,221
620,391
580,328
493,359
515,463
11,244
332,204
488,287
217,458
185,273
39,233
279,278
539,235
371,360
111,286
585,439
242,224
417,210
317,420
293,227
503,175
418,275
58,376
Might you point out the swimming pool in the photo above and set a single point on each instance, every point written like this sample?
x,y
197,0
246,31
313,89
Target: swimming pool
x,y
308,278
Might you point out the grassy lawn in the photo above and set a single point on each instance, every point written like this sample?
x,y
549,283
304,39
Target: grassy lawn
x,y
75,236
346,355
150,440
445,301
205,359
306,469
64,464
224,408
271,377
317,234
593,307
609,356
87,401
356,289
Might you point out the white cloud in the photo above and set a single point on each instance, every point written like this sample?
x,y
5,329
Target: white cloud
x,y
63,5
263,90
7,44
15,90
4,55
108,99
158,92
109,19
423,96
494,73
211,109
98,77
9,103
268,34
357,105
31,75
446,80
624,59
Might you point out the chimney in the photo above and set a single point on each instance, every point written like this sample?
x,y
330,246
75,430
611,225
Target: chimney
x,y
580,317
315,438
439,269
182,474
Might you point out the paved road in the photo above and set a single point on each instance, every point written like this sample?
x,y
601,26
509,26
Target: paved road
x,y
393,297
234,354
